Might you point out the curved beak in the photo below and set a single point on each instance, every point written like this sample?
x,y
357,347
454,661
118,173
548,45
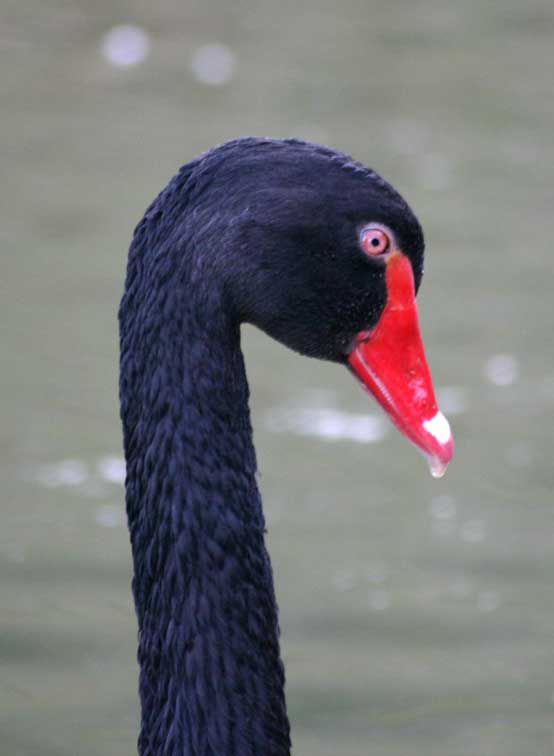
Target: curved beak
x,y
391,364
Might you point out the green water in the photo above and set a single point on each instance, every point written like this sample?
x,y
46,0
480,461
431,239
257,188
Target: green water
x,y
417,615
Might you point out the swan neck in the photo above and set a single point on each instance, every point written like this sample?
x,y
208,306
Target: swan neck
x,y
211,678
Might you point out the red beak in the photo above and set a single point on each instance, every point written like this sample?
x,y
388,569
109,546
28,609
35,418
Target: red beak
x,y
390,362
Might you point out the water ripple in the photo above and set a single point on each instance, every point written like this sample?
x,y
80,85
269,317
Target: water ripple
x,y
327,424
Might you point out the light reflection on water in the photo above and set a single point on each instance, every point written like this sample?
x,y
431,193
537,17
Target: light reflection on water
x,y
327,424
214,64
443,507
453,400
74,473
315,413
125,46
502,369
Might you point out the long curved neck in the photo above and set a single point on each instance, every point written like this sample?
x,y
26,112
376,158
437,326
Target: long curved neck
x,y
211,679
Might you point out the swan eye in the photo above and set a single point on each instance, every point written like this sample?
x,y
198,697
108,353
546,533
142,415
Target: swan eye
x,y
375,241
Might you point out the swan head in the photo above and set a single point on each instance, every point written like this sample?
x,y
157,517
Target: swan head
x,y
326,257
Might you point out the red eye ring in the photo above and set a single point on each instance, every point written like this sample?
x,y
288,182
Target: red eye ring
x,y
375,241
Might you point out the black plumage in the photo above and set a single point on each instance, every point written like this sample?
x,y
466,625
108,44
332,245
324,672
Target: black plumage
x,y
261,231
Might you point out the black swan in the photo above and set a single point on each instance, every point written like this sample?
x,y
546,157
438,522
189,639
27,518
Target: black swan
x,y
325,256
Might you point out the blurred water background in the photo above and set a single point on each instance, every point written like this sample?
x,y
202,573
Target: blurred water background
x,y
417,615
